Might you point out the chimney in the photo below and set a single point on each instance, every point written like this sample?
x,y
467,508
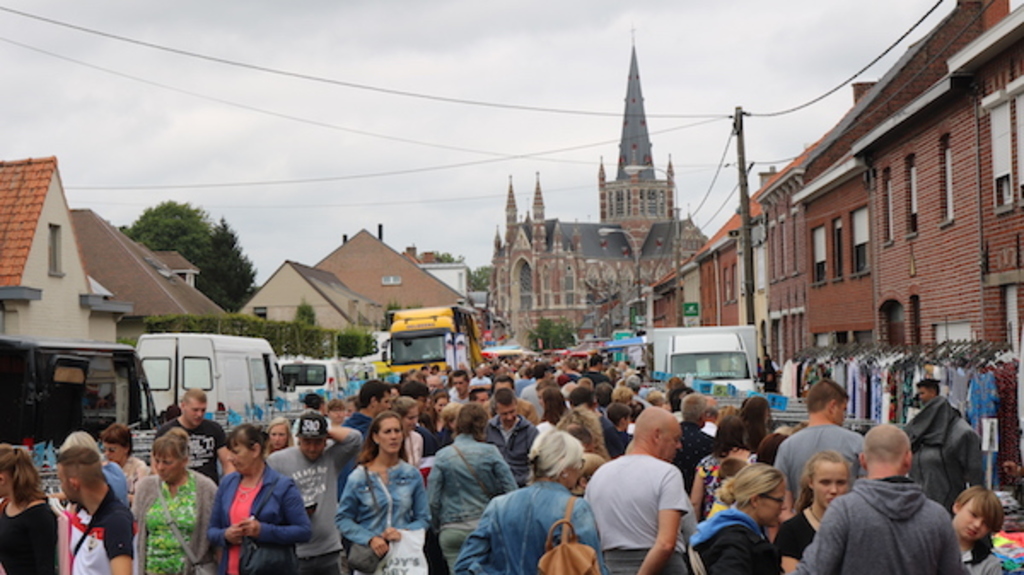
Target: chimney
x,y
765,176
411,252
380,232
429,257
995,12
861,88
344,239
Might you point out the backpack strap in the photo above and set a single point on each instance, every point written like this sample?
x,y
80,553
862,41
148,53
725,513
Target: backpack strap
x,y
568,531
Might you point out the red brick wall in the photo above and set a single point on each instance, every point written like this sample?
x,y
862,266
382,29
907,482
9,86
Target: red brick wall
x,y
938,264
841,303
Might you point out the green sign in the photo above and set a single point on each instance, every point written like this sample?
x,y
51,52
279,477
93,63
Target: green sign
x,y
691,309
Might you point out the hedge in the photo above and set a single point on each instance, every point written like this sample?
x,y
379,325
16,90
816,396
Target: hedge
x,y
286,337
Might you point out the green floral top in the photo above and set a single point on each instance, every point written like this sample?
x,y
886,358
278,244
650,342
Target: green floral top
x,y
163,553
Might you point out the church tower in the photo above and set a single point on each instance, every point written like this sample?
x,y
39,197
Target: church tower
x,y
636,198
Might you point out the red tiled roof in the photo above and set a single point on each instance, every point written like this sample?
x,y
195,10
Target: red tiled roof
x,y
23,187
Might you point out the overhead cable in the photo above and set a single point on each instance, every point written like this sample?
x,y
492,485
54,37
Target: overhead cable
x,y
332,81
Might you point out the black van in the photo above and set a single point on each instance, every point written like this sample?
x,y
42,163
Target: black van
x,y
51,387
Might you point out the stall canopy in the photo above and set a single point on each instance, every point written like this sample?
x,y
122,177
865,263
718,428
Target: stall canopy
x,y
624,343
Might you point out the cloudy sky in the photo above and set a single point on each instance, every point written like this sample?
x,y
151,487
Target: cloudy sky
x,y
309,138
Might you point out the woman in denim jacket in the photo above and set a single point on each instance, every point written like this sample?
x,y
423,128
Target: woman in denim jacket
x,y
513,530
465,477
382,477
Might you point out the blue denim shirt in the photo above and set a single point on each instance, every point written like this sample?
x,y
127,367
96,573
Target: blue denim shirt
x,y
362,516
513,530
454,493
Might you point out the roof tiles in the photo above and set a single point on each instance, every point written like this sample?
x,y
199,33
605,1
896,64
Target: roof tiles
x,y
23,187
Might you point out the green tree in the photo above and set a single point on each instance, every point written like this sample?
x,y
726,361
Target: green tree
x,y
480,278
305,314
550,334
447,258
173,226
355,342
228,276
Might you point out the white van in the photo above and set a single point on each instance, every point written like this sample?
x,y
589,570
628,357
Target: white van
x,y
237,373
300,376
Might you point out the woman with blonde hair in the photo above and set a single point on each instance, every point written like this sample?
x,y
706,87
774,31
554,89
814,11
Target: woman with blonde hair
x,y
28,528
825,477
586,418
733,541
173,509
279,435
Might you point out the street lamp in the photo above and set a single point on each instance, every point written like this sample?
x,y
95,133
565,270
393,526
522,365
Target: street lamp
x,y
634,169
603,232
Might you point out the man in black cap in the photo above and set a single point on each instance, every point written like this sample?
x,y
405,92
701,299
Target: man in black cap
x,y
314,465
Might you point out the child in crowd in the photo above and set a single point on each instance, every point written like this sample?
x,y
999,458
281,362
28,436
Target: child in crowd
x,y
621,417
977,513
337,411
729,468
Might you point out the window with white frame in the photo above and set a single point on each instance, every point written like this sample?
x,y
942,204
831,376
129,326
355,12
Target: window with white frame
x,y
861,237
619,208
818,237
911,175
759,266
837,247
946,173
887,223
391,280
569,284
999,118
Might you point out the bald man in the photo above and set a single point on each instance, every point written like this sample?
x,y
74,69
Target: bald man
x,y
886,524
639,502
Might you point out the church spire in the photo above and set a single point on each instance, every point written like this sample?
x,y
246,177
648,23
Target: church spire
x,y
510,207
635,147
538,202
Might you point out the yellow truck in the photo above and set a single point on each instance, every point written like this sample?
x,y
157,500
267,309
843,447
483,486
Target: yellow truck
x,y
442,336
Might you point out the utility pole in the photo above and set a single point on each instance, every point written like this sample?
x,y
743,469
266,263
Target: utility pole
x,y
748,252
678,295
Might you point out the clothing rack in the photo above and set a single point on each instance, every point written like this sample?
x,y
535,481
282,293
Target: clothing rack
x,y
958,353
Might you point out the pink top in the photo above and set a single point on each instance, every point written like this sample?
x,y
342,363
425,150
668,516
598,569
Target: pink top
x,y
241,509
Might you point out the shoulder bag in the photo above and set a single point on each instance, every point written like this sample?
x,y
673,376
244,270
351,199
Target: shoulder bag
x,y
193,566
362,557
569,556
267,558
483,487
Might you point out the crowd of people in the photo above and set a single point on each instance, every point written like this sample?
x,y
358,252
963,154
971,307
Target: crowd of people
x,y
477,473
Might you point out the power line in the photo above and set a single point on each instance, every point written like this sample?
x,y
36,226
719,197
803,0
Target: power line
x,y
718,170
401,202
367,175
725,203
331,81
853,77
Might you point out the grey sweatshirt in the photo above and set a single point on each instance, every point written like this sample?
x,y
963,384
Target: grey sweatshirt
x,y
318,483
884,526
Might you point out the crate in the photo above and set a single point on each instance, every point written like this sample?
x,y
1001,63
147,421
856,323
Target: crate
x,y
778,402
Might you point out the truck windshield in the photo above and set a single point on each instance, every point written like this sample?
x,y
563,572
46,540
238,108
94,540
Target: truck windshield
x,y
711,366
417,349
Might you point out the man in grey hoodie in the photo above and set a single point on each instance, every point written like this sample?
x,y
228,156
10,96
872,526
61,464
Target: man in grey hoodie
x,y
886,524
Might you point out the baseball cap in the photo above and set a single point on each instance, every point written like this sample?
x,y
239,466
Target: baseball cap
x,y
312,401
312,425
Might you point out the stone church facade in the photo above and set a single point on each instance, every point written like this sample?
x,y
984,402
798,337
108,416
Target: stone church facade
x,y
592,273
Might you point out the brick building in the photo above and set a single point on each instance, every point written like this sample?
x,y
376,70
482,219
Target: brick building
x,y
850,259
